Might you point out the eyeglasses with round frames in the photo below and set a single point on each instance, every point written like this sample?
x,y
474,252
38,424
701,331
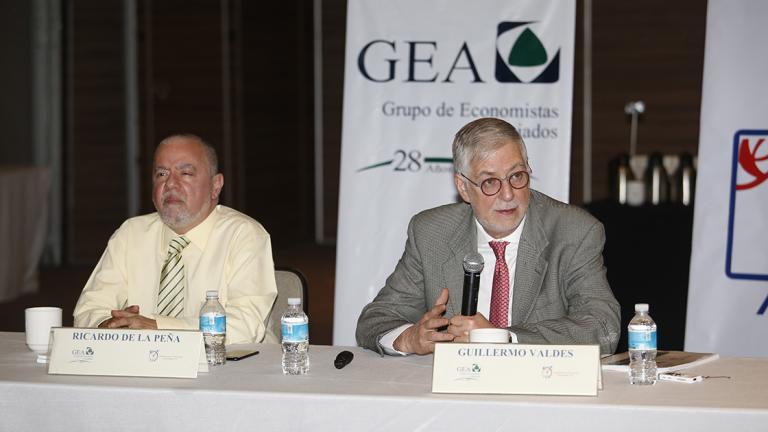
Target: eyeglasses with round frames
x,y
492,186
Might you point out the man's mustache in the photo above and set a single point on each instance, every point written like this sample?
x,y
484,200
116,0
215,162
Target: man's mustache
x,y
170,195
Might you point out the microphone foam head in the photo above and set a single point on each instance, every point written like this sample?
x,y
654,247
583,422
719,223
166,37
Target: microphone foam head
x,y
473,262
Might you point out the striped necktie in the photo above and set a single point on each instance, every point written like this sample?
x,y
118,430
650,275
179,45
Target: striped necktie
x,y
170,300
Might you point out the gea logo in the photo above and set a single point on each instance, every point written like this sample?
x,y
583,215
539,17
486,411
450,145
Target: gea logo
x,y
521,57
88,351
420,55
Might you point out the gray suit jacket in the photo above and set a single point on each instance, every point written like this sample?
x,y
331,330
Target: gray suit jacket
x,y
561,294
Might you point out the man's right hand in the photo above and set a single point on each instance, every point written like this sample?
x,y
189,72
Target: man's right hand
x,y
128,318
420,338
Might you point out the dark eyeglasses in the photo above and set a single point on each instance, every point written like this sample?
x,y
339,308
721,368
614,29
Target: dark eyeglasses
x,y
492,186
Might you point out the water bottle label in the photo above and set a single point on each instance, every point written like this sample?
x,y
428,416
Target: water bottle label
x,y
642,340
295,332
213,324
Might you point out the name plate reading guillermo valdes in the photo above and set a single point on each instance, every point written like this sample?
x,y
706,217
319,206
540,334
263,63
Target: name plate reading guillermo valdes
x,y
126,352
516,369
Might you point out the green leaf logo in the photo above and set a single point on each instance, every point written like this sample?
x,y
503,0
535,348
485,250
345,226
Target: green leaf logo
x,y
527,51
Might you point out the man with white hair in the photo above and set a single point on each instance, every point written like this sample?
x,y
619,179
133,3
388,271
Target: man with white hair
x,y
544,278
157,267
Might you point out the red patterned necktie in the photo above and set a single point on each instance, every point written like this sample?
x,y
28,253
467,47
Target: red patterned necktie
x,y
500,292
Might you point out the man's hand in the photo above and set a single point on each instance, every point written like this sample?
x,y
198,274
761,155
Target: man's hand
x,y
129,318
460,326
420,338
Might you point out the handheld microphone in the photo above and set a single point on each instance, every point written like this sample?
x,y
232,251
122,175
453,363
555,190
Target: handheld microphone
x,y
473,265
343,359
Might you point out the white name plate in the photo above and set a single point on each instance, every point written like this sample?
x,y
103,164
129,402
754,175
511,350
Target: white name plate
x,y
126,352
516,369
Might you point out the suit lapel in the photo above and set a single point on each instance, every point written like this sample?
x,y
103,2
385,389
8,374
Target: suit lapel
x,y
461,243
531,265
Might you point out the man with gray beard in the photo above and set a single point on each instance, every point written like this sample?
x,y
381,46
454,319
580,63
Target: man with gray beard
x,y
157,267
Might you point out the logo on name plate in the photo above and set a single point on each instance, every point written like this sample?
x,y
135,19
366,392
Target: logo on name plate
x,y
468,373
154,355
546,372
83,355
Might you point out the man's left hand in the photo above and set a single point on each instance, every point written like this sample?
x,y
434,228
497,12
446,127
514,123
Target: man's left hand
x,y
129,318
460,326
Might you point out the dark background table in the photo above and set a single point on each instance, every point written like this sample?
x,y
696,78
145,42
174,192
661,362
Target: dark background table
x,y
647,253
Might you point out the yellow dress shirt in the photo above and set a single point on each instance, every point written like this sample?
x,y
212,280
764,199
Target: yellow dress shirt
x,y
229,252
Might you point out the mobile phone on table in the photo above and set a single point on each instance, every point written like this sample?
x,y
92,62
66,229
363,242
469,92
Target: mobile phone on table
x,y
236,355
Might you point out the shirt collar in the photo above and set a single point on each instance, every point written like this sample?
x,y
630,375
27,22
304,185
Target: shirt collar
x,y
198,235
513,238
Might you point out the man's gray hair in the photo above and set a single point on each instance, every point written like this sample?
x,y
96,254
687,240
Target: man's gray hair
x,y
481,137
210,152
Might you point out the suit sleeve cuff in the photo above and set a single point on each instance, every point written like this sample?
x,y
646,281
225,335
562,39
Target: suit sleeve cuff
x,y
387,342
512,337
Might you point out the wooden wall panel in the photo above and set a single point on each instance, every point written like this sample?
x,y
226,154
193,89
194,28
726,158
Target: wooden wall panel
x,y
16,117
651,51
576,190
277,130
95,157
334,45
181,77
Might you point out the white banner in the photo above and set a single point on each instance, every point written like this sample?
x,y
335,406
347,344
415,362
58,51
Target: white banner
x,y
416,71
728,292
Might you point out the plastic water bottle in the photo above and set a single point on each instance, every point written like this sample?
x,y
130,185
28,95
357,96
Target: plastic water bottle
x,y
213,324
295,332
642,347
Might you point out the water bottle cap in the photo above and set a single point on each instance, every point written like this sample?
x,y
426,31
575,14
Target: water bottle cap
x,y
641,307
212,294
294,301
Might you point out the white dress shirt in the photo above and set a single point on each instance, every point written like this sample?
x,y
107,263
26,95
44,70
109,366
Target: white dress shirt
x,y
387,341
228,252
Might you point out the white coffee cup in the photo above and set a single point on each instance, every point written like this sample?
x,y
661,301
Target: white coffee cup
x,y
38,322
489,335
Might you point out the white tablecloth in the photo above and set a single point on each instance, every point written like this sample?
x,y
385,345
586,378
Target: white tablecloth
x,y
23,224
371,393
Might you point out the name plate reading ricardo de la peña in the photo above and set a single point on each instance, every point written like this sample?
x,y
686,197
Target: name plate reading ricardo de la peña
x,y
516,369
126,352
